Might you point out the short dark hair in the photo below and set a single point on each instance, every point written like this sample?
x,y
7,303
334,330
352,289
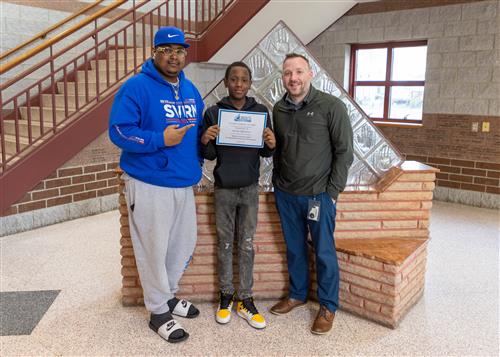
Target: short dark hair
x,y
237,64
297,55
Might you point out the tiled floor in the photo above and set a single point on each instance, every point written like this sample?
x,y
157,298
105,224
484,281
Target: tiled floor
x,y
458,314
21,311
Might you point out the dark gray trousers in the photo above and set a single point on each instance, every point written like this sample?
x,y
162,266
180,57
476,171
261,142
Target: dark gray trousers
x,y
236,211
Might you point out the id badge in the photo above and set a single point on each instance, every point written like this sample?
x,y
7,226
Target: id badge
x,y
313,210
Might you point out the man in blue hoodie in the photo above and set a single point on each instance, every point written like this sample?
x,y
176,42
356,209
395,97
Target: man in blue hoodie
x,y
156,120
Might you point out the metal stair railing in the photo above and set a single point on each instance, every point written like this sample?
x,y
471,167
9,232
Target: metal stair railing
x,y
102,60
43,34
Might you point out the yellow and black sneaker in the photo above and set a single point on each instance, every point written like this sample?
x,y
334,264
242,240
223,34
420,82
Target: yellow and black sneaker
x,y
246,309
223,315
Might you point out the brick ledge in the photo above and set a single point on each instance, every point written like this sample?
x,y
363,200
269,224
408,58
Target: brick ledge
x,y
393,251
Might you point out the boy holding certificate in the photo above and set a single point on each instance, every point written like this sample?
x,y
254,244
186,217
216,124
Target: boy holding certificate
x,y
236,193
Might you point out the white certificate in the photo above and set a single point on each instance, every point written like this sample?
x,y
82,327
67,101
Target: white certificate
x,y
238,128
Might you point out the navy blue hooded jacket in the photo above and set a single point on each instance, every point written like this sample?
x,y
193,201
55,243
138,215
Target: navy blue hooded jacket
x,y
143,107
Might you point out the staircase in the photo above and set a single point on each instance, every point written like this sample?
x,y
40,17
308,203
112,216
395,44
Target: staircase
x,y
32,124
48,122
55,110
45,124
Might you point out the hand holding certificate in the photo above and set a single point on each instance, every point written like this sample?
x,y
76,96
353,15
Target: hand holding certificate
x,y
210,134
239,128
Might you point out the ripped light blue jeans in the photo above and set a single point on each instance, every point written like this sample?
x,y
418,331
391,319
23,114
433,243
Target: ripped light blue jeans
x,y
236,216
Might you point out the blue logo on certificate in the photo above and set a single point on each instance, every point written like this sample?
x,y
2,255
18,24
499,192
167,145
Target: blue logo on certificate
x,y
239,128
243,118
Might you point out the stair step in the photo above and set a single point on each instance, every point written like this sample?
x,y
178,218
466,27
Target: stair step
x,y
9,156
59,100
10,127
10,143
81,88
120,53
112,63
47,113
92,87
92,76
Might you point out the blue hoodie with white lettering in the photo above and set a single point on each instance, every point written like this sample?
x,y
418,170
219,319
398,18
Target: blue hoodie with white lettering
x,y
143,107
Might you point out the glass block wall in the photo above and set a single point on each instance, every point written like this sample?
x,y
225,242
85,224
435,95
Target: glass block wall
x,y
373,154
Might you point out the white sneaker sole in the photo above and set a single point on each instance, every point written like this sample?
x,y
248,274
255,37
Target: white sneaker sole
x,y
250,322
221,320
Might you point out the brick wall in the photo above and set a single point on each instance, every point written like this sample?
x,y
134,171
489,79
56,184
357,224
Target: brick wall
x,y
477,176
399,213
467,160
200,280
69,184
402,210
450,136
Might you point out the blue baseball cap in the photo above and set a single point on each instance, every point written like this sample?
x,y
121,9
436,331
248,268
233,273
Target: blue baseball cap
x,y
170,35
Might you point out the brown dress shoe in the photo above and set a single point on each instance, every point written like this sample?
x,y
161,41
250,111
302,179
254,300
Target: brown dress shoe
x,y
286,305
324,321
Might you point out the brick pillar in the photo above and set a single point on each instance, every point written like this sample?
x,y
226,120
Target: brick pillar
x,y
131,284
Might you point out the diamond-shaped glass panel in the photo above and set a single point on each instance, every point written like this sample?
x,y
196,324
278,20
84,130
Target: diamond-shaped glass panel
x,y
360,174
210,100
355,160
264,101
278,43
373,154
355,115
220,90
312,62
383,158
356,118
260,65
266,173
206,184
365,138
272,89
325,84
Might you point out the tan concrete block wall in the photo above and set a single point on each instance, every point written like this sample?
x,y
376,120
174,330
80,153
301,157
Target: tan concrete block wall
x,y
462,85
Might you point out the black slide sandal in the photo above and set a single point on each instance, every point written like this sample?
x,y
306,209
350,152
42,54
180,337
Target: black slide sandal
x,y
168,328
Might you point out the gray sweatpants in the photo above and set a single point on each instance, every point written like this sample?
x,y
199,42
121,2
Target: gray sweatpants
x,y
162,224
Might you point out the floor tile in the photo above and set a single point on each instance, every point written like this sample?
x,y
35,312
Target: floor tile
x,y
457,315
21,311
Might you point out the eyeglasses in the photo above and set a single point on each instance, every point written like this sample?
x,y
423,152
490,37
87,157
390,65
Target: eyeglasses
x,y
169,51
